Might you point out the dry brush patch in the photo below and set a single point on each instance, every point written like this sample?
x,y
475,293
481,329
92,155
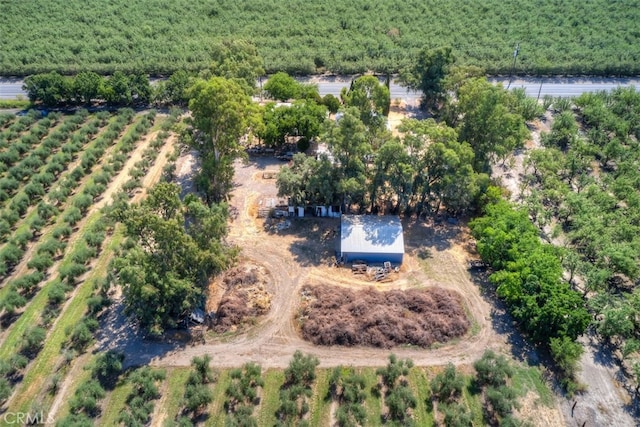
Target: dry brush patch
x,y
245,298
333,315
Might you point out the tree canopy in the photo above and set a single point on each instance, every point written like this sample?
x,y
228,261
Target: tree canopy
x,y
165,267
221,113
427,74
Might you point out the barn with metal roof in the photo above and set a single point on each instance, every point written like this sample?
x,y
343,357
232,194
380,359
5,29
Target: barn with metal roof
x,y
371,238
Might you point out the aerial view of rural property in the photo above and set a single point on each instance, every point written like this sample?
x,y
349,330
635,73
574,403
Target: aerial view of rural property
x,y
338,213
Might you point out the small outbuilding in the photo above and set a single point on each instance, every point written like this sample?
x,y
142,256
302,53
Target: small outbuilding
x,y
371,238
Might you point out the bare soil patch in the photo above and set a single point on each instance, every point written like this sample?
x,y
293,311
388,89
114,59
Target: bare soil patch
x,y
239,297
334,315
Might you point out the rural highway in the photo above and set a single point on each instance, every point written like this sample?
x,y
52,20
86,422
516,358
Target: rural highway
x,y
10,88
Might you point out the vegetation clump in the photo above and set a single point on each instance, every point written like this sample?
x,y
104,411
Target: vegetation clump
x,y
340,316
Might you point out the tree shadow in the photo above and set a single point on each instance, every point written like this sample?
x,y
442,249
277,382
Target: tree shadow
x,y
262,162
315,241
121,333
432,233
318,238
504,324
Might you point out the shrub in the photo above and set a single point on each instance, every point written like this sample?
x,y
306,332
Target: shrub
x,y
86,398
22,237
57,293
81,335
107,367
13,301
32,341
70,272
72,216
62,232
34,190
11,254
40,262
51,247
492,369
20,203
447,386
36,224
82,202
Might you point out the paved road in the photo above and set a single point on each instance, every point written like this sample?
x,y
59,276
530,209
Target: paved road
x,y
10,88
554,86
567,86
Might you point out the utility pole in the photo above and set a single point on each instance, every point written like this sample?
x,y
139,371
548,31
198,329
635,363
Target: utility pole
x,y
539,90
513,67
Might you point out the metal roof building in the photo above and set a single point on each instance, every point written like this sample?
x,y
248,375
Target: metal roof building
x,y
374,239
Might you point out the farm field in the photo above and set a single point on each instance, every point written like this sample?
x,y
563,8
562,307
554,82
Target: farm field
x,y
171,389
58,174
287,335
312,37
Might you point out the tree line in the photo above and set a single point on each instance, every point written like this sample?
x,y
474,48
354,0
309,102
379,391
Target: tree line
x,y
431,165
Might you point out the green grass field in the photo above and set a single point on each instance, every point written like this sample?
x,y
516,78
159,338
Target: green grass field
x,y
307,37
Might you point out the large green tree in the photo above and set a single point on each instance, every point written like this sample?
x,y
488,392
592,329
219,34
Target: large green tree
x,y
51,88
165,267
221,113
370,97
303,118
488,121
427,74
282,87
350,143
237,60
87,85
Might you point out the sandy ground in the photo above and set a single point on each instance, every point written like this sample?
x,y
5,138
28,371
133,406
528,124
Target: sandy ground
x,y
606,401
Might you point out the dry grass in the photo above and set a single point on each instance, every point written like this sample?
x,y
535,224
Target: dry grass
x,y
341,316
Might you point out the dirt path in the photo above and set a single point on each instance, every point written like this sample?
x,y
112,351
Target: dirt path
x,y
605,402
155,172
64,391
123,176
290,264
